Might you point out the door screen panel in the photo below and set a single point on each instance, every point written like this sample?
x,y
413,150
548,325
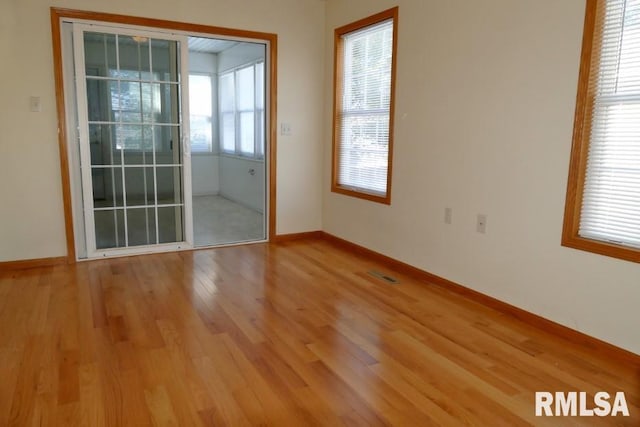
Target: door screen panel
x,y
134,146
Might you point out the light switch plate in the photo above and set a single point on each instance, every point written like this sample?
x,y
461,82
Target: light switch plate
x,y
35,104
285,129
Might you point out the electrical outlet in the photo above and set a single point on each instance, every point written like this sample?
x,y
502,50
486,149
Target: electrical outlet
x,y
481,224
448,215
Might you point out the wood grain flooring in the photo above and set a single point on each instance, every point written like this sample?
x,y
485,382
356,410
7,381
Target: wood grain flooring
x,y
288,334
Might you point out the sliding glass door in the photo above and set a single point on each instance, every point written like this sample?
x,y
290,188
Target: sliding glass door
x,y
135,163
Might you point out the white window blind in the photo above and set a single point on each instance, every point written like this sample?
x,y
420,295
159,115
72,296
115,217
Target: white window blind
x,y
611,197
363,120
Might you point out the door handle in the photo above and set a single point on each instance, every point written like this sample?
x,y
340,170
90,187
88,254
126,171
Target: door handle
x,y
186,145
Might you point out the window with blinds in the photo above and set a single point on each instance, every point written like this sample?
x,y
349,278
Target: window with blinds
x,y
606,152
363,113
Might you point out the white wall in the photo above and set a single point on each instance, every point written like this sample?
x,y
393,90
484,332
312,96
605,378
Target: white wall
x,y
205,174
237,183
30,190
201,62
485,101
30,186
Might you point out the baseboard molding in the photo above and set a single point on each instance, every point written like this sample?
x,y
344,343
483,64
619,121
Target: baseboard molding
x,y
279,238
32,263
204,194
240,202
595,344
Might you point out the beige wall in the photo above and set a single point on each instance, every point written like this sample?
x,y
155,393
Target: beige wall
x,y
31,210
485,99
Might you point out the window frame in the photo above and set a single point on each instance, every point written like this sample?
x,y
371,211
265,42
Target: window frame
x,y
258,131
580,147
338,66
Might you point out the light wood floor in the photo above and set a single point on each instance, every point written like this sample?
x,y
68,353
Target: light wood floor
x,y
291,334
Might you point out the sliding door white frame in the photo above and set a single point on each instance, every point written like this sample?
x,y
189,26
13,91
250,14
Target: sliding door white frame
x,y
85,156
77,174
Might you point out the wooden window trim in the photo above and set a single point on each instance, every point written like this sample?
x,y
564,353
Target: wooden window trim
x,y
337,103
580,146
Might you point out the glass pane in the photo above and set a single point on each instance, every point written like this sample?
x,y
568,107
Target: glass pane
x,y
99,54
200,133
150,102
260,132
134,56
200,95
170,224
141,226
364,151
137,144
165,60
126,101
245,89
98,92
139,186
107,187
200,111
169,185
109,226
168,147
247,142
131,137
367,75
227,92
228,132
260,85
101,144
165,96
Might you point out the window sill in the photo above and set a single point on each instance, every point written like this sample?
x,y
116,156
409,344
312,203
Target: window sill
x,y
601,248
385,200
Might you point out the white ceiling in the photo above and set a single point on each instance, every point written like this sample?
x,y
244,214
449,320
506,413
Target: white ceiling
x,y
207,45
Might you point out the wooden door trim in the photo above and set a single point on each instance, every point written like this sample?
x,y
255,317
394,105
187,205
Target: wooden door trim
x,y
58,14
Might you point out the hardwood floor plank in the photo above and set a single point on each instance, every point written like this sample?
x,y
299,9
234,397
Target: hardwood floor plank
x,y
69,389
160,407
296,333
24,393
134,405
9,370
92,410
224,409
